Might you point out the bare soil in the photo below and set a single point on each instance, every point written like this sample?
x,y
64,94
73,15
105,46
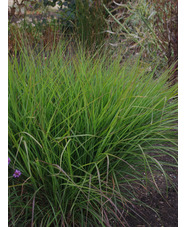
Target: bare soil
x,y
165,204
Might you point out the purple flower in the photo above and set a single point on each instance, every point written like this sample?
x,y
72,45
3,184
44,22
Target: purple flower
x,y
9,160
17,173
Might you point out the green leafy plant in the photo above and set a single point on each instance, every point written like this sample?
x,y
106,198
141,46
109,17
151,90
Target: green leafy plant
x,y
82,131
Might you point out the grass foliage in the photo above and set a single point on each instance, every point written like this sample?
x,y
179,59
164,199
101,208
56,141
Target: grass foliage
x,y
82,130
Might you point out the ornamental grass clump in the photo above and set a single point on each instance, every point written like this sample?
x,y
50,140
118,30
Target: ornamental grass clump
x,y
84,130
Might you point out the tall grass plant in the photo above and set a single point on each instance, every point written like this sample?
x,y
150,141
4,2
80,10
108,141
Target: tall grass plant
x,y
82,131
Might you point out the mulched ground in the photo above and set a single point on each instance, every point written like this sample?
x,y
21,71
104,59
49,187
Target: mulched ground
x,y
167,209
166,204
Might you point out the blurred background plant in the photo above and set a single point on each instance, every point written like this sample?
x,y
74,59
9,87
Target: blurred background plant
x,y
166,27
87,17
132,26
147,26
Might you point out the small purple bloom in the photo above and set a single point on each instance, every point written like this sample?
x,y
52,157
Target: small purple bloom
x,y
17,173
9,160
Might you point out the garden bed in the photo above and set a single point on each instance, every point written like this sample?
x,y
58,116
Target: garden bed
x,y
166,204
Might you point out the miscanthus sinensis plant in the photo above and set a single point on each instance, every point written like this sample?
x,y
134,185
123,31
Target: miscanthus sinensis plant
x,y
83,131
